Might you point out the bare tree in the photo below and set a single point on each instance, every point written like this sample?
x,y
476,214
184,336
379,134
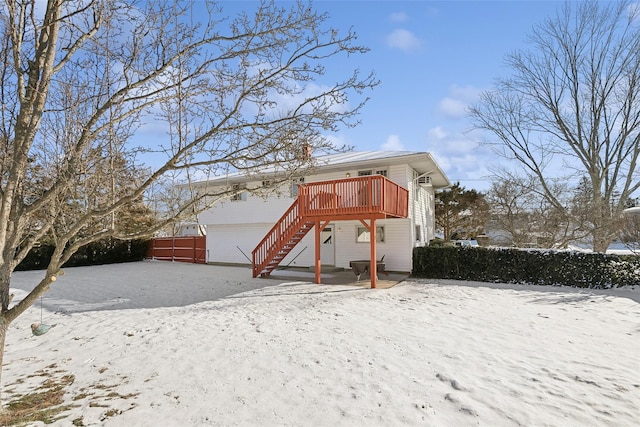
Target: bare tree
x,y
81,81
572,105
527,218
510,202
631,233
631,230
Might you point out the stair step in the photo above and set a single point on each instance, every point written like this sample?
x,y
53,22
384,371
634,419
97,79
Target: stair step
x,y
296,229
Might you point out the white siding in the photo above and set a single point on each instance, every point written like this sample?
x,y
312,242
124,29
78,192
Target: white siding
x,y
235,226
396,248
226,244
421,209
254,209
423,212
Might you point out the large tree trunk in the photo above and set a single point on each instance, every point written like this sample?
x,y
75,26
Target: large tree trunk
x,y
4,326
601,241
5,276
9,315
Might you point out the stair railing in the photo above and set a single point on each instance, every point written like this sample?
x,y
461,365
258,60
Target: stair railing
x,y
278,236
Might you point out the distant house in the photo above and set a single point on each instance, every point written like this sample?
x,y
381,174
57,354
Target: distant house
x,y
344,191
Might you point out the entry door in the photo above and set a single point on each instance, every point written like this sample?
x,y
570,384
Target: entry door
x,y
327,251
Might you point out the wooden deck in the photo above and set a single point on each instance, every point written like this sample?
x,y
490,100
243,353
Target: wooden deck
x,y
365,198
354,198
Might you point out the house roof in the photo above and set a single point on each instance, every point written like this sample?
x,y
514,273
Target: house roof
x,y
422,162
632,211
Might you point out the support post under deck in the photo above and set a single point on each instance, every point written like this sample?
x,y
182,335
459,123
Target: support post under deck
x,y
318,264
373,265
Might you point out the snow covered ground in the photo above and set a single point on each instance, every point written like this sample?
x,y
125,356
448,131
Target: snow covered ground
x,y
171,344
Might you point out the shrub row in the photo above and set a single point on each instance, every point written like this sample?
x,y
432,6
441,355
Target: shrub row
x,y
538,267
107,251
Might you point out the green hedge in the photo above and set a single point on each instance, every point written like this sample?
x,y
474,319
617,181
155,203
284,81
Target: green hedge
x,y
107,251
539,267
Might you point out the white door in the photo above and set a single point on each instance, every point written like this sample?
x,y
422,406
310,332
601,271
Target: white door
x,y
327,251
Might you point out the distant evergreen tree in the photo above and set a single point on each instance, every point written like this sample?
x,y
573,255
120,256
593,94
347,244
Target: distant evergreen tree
x,y
460,213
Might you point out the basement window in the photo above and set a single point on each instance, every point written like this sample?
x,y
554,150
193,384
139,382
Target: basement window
x,y
363,235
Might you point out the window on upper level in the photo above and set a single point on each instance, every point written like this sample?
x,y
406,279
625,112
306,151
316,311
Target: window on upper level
x,y
294,186
238,194
369,172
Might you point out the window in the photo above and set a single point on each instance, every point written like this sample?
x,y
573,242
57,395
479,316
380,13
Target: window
x,y
294,186
238,194
326,236
363,235
382,172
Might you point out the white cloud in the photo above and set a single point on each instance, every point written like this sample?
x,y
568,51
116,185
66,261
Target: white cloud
x,y
398,17
466,93
338,140
459,155
437,133
403,40
451,107
392,144
460,98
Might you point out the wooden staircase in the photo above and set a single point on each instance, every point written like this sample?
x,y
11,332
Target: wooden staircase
x,y
367,197
280,240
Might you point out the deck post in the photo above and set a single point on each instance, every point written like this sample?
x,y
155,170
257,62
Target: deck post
x,y
318,262
373,265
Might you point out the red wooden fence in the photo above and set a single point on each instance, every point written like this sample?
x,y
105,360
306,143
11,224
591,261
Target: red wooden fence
x,y
181,249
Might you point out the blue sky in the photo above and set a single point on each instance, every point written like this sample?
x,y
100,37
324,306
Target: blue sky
x,y
433,59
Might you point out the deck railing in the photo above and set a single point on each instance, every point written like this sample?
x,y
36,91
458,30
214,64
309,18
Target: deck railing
x,y
365,195
341,199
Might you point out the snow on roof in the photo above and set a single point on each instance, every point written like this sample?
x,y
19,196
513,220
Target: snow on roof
x,y
362,156
422,162
632,211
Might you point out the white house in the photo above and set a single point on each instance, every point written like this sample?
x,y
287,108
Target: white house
x,y
236,227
